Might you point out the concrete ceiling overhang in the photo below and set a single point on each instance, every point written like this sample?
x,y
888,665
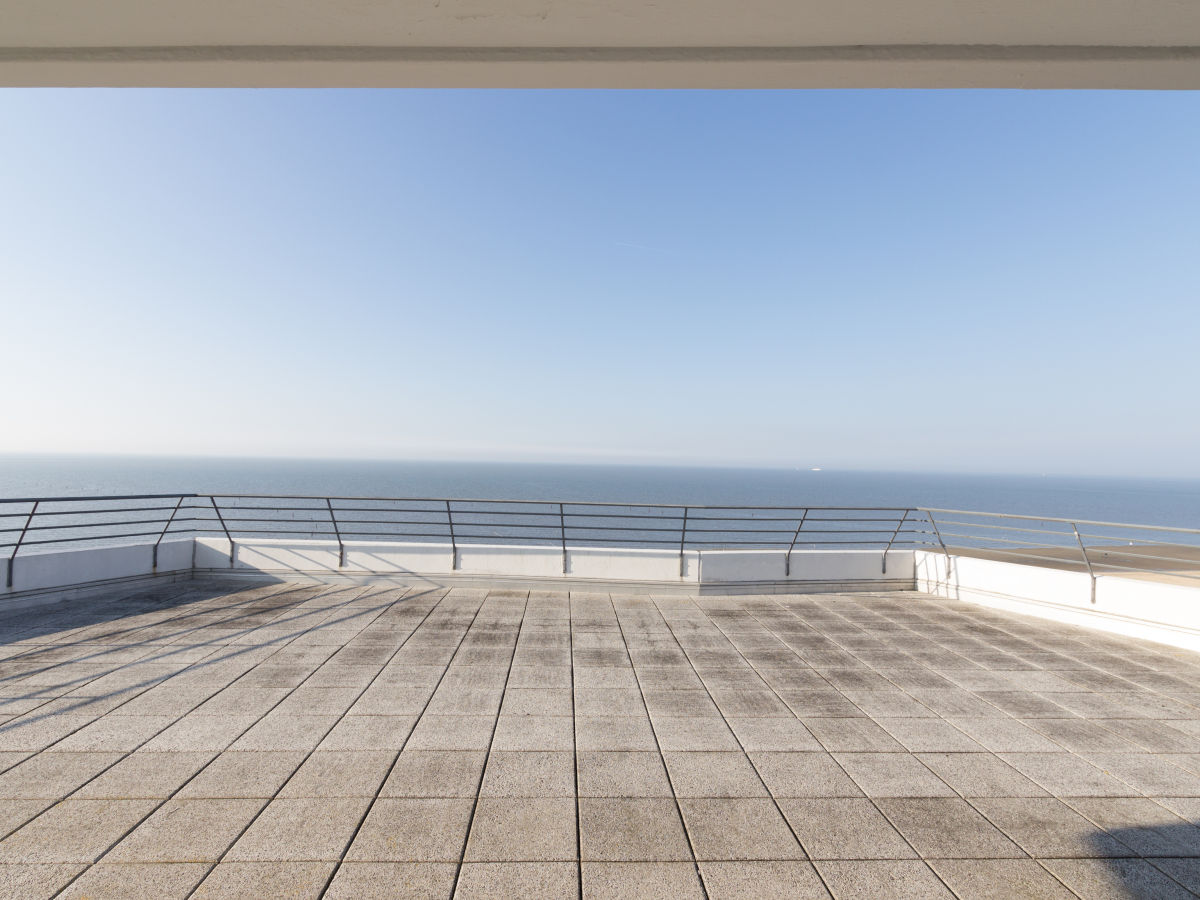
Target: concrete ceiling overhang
x,y
603,43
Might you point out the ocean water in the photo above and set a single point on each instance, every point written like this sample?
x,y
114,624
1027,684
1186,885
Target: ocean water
x,y
1149,501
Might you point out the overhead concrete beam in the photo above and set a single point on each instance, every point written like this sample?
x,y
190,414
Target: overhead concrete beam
x,y
603,43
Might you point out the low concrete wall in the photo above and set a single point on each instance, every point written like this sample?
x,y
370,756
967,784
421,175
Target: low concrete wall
x,y
828,569
46,575
1152,610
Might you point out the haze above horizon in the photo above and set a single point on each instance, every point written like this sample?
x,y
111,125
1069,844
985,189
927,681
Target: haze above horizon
x,y
890,280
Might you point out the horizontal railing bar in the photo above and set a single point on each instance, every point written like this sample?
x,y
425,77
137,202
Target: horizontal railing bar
x,y
1139,542
99,498
566,503
1017,528
967,512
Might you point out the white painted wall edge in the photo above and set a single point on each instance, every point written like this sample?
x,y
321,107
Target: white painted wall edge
x,y
1150,610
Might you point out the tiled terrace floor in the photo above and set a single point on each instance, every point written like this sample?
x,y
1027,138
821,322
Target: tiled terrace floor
x,y
353,742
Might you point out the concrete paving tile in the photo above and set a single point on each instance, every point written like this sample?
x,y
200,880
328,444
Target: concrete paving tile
x,y
301,829
535,676
665,678
146,774
738,830
238,774
390,700
751,704
892,704
852,735
1067,775
534,733
120,881
35,732
1153,736
773,734
195,732
980,775
529,773
955,703
504,880
527,829
75,831
435,773
631,830
412,830
1145,827
804,775
1115,879
609,702
1148,773
894,879
115,733
465,701
999,879
638,880
254,880
392,881
590,677
15,813
614,733
536,702
186,831
369,733
1185,807
844,828
1005,735
285,731
52,776
339,773
622,774
892,775
929,735
25,881
762,880
307,700
940,828
680,703
1185,871
818,704
713,774
451,733
697,733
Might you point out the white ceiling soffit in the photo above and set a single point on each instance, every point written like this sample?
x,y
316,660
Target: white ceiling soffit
x,y
603,43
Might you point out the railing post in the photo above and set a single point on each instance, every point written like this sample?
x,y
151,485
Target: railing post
x,y
938,534
337,532
893,539
787,560
562,532
682,541
453,542
20,540
170,519
1086,561
224,527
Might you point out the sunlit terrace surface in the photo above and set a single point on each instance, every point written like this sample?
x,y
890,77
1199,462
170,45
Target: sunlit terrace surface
x,y
210,739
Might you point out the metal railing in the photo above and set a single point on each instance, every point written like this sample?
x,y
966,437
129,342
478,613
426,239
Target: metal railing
x,y
38,524
30,525
1167,553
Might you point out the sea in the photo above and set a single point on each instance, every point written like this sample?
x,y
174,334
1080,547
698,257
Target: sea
x,y
1149,501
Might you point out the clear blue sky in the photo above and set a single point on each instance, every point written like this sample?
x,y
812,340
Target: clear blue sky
x,y
978,281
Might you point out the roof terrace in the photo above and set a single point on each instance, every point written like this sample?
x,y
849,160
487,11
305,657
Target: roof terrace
x,y
218,739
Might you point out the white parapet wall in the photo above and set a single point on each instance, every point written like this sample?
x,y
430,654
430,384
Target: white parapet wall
x,y
48,574
767,570
1154,610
